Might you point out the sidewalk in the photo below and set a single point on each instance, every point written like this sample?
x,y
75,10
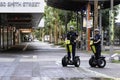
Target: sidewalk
x,y
37,45
114,47
36,51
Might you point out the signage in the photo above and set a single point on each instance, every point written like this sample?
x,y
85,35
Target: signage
x,y
111,25
87,23
22,6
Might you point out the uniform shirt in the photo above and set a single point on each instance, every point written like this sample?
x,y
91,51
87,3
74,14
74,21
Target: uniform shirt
x,y
71,35
96,38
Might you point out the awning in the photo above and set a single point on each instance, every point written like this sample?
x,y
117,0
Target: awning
x,y
21,13
24,20
77,5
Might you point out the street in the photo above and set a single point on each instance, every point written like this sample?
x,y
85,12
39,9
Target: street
x,y
42,61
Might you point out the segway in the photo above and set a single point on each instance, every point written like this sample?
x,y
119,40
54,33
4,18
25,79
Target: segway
x,y
93,62
65,61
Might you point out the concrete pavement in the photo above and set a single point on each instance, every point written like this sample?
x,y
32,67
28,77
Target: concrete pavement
x,y
42,61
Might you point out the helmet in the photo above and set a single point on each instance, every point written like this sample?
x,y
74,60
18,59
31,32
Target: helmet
x,y
71,27
97,30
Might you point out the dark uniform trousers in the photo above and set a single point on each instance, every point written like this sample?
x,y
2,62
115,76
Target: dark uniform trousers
x,y
98,51
73,51
72,35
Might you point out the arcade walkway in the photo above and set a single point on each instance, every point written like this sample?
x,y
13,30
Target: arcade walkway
x,y
18,18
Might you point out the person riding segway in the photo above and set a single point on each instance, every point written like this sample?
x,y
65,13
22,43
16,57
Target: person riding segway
x,y
96,59
97,43
71,48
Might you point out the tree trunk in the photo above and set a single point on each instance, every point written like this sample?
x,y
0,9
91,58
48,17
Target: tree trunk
x,y
43,34
95,14
55,28
60,33
50,31
55,33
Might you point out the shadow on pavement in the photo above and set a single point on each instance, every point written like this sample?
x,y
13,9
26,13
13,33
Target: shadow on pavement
x,y
82,79
14,49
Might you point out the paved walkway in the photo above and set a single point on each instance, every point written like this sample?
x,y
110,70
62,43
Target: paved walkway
x,y
42,61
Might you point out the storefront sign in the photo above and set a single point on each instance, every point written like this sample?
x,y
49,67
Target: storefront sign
x,y
21,6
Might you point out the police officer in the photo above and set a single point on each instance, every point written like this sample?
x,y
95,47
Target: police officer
x,y
97,43
72,36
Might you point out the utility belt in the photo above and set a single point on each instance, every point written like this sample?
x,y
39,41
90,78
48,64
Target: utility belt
x,y
68,42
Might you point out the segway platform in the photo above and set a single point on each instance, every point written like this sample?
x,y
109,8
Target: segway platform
x,y
93,62
66,62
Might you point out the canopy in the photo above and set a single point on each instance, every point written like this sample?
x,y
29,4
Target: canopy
x,y
77,5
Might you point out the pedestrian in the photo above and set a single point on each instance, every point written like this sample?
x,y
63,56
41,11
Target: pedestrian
x,y
71,36
97,43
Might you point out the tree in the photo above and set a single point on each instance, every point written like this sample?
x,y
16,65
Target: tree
x,y
48,22
55,22
105,22
105,17
51,23
62,14
95,13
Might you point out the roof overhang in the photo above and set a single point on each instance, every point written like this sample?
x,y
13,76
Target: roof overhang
x,y
77,5
22,13
24,20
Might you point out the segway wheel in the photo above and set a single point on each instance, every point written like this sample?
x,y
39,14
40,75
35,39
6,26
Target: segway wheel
x,y
64,61
92,62
77,61
101,63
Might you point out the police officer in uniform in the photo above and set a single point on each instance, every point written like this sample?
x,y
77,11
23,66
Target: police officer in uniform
x,y
72,36
97,43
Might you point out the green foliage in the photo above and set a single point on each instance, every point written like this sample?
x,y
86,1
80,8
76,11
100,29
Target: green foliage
x,y
57,18
105,17
117,32
115,61
63,14
37,33
53,15
62,43
73,21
